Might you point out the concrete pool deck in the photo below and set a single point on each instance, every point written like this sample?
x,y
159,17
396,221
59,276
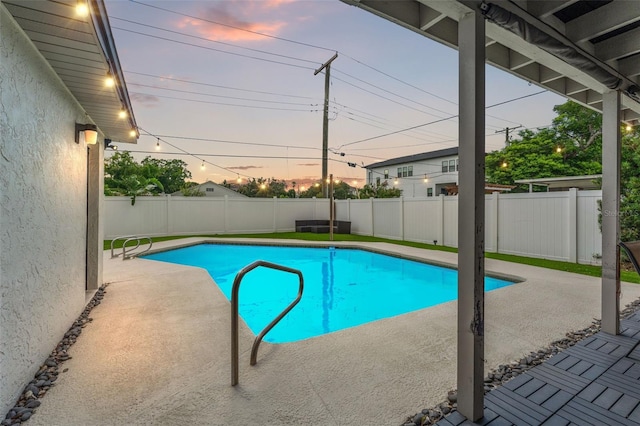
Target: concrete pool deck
x,y
158,351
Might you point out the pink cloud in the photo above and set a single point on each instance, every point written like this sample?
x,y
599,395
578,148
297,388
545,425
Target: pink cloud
x,y
236,20
244,167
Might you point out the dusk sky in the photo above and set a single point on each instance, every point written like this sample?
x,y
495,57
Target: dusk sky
x,y
203,77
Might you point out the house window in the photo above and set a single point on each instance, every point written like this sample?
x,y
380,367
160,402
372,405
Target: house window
x,y
386,174
210,189
377,181
457,166
410,172
452,165
404,171
429,192
399,172
445,166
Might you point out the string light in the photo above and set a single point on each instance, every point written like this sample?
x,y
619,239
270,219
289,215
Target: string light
x,y
202,166
503,165
82,10
317,184
133,133
629,128
158,145
426,179
123,114
395,182
558,149
239,180
109,81
263,186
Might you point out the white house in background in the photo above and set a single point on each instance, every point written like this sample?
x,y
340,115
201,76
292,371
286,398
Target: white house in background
x,y
53,64
212,189
419,175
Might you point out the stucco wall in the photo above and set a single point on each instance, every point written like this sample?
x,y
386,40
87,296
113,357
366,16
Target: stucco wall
x,y
43,205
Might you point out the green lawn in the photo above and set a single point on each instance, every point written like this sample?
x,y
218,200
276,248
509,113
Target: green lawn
x,y
591,270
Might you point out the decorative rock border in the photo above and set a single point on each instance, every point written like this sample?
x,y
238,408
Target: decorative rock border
x,y
504,373
46,376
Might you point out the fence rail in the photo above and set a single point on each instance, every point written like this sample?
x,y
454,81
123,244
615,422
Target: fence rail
x,y
551,225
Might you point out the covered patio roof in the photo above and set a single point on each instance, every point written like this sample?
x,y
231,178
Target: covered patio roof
x,y
588,51
602,36
81,50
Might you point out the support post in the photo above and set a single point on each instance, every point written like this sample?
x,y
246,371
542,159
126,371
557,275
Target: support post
x,y
331,208
611,147
572,228
471,41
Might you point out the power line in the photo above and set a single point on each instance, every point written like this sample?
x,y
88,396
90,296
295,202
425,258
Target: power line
x,y
216,85
213,41
224,103
213,49
438,121
219,96
231,26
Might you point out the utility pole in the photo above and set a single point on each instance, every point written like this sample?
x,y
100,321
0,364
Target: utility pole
x,y
325,122
506,131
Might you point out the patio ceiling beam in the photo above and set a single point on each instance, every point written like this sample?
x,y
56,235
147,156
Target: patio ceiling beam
x,y
610,17
429,17
620,46
630,66
542,9
471,202
611,148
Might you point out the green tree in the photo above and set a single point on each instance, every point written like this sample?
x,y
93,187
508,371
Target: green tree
x,y
630,186
124,176
312,191
171,173
571,146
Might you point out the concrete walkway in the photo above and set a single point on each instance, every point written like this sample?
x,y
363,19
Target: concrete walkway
x,y
158,351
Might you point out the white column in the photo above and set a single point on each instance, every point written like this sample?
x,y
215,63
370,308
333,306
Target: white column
x,y
611,148
373,231
572,225
95,211
471,39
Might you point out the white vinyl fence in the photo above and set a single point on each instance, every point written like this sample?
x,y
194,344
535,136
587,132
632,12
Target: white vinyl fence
x,y
550,225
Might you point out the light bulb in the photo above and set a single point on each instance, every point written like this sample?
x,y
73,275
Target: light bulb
x,y
504,164
109,81
316,185
628,128
202,166
158,145
558,149
239,179
263,186
395,182
123,113
133,133
82,10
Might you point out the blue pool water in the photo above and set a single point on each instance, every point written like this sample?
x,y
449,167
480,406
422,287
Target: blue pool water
x,y
342,287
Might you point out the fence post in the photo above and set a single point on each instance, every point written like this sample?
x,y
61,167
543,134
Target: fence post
x,y
493,238
349,209
169,215
572,224
275,213
440,219
401,218
226,214
373,231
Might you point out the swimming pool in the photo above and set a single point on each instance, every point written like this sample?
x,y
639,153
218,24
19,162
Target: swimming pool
x,y
344,287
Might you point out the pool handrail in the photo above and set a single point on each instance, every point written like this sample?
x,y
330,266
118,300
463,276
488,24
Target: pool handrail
x,y
235,315
127,239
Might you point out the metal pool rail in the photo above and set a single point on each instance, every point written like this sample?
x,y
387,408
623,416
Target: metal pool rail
x,y
129,250
234,313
